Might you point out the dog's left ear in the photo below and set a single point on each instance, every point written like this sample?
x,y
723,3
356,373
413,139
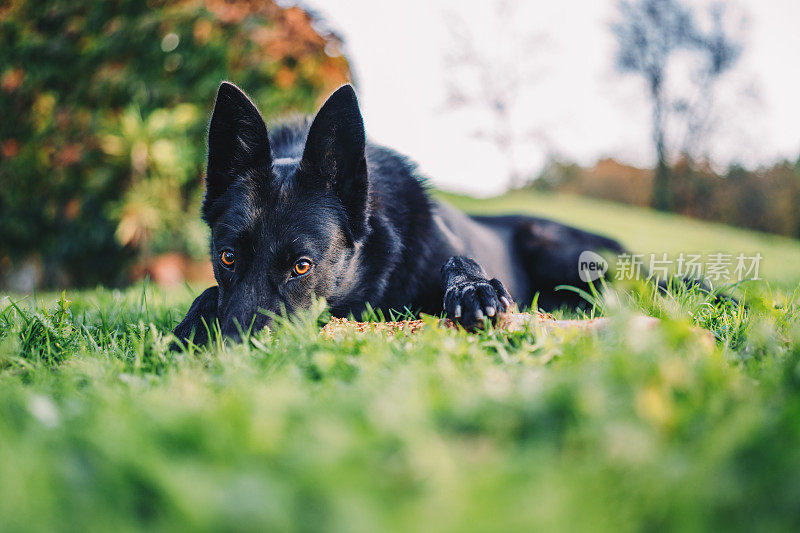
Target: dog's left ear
x,y
334,155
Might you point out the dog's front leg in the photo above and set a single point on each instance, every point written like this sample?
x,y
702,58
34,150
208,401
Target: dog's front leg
x,y
199,320
468,293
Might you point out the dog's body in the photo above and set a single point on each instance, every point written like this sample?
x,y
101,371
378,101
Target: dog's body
x,y
311,208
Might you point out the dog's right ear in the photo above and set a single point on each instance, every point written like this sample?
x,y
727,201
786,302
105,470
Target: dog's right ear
x,y
238,143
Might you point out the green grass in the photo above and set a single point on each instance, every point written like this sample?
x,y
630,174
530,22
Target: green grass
x,y
103,428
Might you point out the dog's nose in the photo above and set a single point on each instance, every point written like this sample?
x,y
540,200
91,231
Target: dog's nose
x,y
261,321
234,327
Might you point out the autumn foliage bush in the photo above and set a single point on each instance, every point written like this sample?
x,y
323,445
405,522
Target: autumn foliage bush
x,y
104,107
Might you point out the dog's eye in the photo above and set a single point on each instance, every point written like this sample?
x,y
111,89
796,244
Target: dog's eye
x,y
301,267
228,258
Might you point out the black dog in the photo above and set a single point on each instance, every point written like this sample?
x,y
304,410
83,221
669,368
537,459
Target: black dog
x,y
311,208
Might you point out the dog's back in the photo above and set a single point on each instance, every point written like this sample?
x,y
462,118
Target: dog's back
x,y
531,255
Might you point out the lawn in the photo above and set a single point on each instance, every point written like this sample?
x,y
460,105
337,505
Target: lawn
x,y
103,428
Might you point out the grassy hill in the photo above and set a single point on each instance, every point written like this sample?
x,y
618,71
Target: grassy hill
x,y
647,231
102,427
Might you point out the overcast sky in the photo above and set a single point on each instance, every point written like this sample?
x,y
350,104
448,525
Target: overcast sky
x,y
577,106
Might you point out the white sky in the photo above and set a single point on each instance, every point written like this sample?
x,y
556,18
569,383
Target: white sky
x,y
583,109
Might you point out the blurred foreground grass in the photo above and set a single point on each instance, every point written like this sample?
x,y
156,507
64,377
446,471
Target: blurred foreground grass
x,y
102,427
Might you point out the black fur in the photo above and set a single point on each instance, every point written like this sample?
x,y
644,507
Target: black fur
x,y
317,191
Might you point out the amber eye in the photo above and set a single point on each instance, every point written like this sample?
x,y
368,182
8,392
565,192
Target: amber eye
x,y
228,258
301,267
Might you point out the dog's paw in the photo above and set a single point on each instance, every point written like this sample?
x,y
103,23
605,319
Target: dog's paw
x,y
470,301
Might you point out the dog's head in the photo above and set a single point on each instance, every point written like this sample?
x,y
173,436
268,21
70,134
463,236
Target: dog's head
x,y
283,228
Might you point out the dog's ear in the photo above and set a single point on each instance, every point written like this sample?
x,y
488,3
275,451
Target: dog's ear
x,y
334,158
238,143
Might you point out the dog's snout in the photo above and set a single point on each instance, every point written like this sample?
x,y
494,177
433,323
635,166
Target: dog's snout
x,y
234,326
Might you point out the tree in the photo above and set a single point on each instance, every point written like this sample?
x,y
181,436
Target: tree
x,y
650,33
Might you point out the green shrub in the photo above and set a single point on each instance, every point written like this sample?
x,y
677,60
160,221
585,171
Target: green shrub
x,y
105,106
